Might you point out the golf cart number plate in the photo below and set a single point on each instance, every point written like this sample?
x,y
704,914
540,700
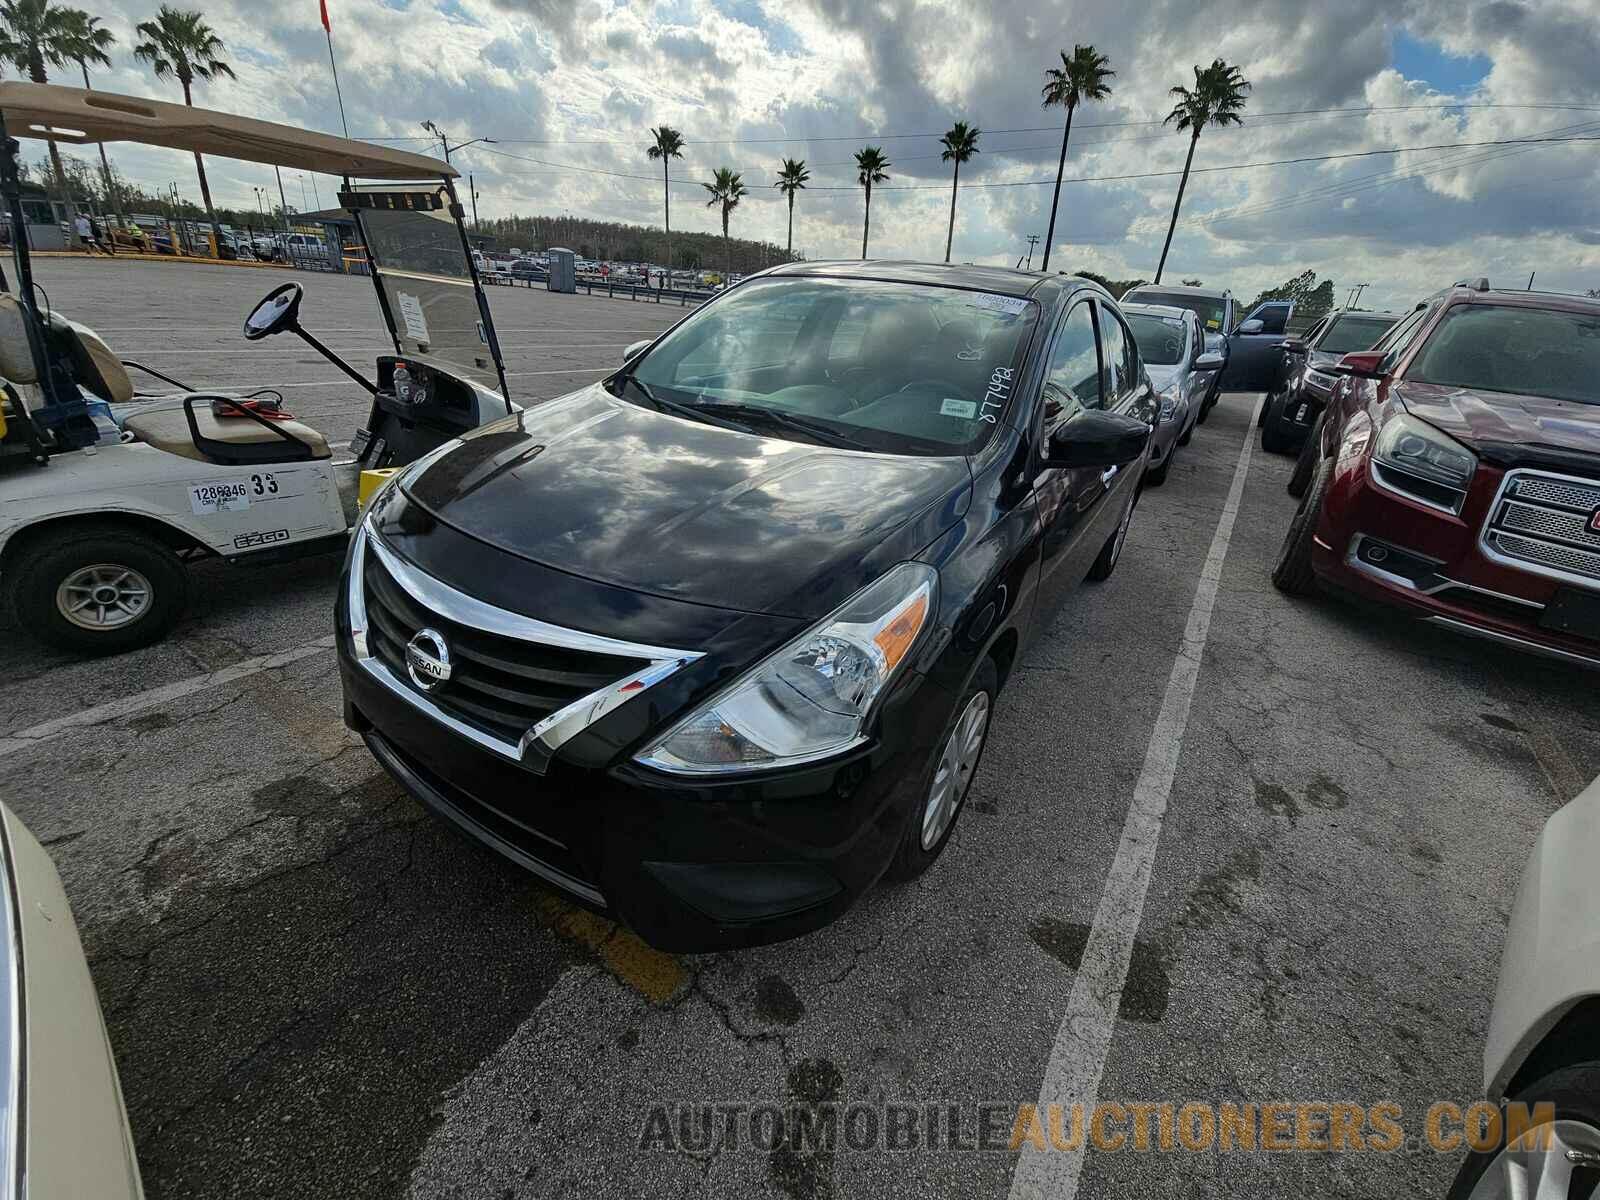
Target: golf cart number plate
x,y
219,497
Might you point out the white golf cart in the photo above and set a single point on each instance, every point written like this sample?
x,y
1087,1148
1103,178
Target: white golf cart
x,y
106,493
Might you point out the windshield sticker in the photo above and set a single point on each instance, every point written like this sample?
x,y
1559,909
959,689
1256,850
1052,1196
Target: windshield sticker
x,y
951,407
997,395
411,313
1005,304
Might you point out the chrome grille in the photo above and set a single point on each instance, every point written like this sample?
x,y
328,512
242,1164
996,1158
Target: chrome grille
x,y
1541,522
1566,493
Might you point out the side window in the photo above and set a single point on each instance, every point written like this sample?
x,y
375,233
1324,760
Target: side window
x,y
1197,342
1402,335
1073,381
1317,330
1121,357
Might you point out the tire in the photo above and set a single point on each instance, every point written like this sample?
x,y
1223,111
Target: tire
x,y
1574,1094
1111,552
1205,411
1310,451
1188,434
1292,574
1261,417
951,769
1156,476
124,566
1273,438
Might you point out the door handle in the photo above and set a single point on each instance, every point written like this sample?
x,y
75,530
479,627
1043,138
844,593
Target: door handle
x,y
1108,475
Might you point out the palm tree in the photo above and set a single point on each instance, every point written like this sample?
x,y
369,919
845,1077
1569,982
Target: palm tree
x,y
960,144
726,189
668,145
180,44
871,167
791,179
1217,99
1080,77
89,43
37,33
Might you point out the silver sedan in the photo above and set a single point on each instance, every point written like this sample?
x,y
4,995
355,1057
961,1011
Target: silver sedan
x,y
1180,367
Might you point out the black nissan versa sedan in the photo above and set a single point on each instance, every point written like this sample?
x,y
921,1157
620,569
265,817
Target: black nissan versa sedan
x,y
713,644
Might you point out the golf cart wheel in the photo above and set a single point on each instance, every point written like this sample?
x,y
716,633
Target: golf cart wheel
x,y
948,777
1559,1157
98,590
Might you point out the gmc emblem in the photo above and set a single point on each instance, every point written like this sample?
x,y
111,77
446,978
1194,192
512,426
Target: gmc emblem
x,y
1594,521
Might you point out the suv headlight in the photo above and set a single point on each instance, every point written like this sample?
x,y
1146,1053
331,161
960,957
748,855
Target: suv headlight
x,y
813,697
1415,460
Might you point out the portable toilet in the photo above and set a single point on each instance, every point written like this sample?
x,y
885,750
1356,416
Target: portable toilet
x,y
563,269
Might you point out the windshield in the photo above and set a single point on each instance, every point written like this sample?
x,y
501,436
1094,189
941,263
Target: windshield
x,y
1507,348
896,367
427,284
1210,310
1353,333
1161,339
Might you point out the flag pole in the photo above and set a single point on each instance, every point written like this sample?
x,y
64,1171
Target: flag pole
x,y
327,28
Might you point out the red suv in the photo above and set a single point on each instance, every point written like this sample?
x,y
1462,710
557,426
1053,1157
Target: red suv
x,y
1457,473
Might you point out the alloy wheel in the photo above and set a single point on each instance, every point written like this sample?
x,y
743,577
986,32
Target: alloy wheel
x,y
953,774
1542,1163
103,596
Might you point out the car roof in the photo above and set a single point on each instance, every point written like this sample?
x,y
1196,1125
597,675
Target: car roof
x,y
1170,311
1178,289
1564,301
1002,280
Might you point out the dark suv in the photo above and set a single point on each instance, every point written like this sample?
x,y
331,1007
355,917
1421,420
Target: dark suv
x,y
1310,374
1460,475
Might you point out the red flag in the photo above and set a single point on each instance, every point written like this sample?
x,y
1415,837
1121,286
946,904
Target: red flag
x,y
325,22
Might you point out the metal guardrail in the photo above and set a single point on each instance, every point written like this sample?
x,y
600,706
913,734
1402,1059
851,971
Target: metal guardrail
x,y
642,292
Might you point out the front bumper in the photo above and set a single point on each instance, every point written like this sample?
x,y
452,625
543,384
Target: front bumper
x,y
1383,547
690,865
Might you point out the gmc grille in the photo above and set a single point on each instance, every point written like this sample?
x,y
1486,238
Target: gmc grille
x,y
1544,522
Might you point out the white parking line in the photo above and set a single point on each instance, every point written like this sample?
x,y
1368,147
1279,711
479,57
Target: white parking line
x,y
1078,1058
113,709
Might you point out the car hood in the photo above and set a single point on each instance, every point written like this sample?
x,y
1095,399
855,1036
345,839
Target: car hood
x,y
609,491
1501,420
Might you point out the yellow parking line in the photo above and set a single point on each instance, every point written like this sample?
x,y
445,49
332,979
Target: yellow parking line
x,y
656,976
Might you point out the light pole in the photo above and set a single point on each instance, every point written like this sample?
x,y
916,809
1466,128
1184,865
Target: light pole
x,y
1033,240
444,141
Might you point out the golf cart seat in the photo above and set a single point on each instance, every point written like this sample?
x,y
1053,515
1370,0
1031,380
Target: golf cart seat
x,y
193,431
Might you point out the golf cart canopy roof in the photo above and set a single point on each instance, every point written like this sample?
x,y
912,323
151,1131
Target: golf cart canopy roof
x,y
75,115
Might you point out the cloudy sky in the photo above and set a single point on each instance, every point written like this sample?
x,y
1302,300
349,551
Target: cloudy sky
x,y
569,88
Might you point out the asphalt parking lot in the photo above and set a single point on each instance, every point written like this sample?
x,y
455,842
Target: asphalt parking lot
x,y
314,990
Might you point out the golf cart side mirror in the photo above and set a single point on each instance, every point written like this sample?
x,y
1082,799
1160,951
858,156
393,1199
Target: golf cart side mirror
x,y
1251,326
1096,438
279,310
1364,364
634,350
1208,360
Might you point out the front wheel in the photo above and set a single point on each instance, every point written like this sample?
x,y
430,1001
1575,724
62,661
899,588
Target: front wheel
x,y
1274,423
1560,1156
99,589
1111,552
1293,573
948,777
1310,451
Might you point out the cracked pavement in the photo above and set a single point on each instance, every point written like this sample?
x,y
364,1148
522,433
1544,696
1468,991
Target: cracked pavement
x,y
313,989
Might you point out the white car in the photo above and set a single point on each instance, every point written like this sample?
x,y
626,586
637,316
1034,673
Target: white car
x,y
1543,1047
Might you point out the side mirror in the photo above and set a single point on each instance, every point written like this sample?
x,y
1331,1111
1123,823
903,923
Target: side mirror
x,y
1094,438
1208,360
1292,345
634,350
1253,325
1364,364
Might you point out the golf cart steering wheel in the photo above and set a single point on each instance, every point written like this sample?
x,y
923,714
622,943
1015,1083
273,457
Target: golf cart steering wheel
x,y
280,310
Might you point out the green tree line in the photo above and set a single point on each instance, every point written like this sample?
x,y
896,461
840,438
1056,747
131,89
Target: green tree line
x,y
618,242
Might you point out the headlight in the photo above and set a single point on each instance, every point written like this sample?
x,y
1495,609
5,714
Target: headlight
x,y
1417,461
1170,398
813,697
1320,379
